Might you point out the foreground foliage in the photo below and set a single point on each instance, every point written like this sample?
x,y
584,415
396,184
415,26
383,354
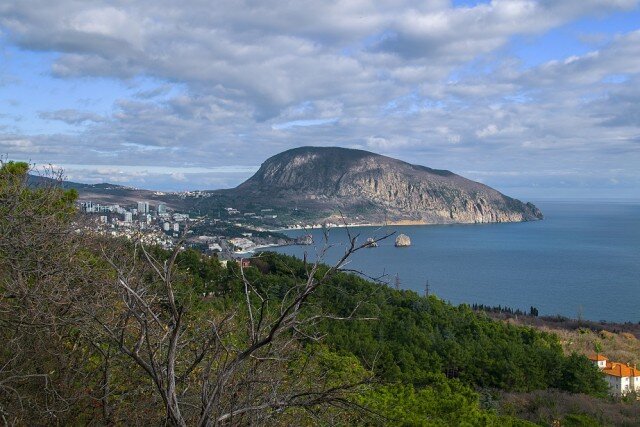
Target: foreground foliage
x,y
108,332
415,337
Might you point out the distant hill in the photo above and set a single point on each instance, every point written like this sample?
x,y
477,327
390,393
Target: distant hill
x,y
37,180
375,188
107,193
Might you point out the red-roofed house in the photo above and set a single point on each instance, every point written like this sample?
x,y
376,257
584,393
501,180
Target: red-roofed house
x,y
599,360
622,378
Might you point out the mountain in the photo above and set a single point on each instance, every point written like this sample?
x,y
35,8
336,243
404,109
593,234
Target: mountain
x,y
327,182
324,184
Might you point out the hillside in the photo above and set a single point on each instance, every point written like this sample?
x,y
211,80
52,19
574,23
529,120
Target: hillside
x,y
103,331
374,188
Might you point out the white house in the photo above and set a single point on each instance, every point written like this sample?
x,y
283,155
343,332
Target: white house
x,y
243,244
599,360
622,378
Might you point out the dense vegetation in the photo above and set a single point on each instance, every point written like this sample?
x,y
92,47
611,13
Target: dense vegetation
x,y
415,337
105,332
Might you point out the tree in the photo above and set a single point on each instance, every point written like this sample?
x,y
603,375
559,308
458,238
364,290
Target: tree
x,y
41,281
444,403
74,304
97,330
579,375
236,364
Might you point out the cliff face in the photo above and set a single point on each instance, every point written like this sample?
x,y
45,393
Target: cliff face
x,y
377,188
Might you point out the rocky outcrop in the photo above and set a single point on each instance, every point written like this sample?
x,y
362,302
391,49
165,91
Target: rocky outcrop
x,y
307,239
403,240
375,188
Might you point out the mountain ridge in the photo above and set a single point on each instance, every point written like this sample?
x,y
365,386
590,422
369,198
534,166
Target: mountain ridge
x,y
377,189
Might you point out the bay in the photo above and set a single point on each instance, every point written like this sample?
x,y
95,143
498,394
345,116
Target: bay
x,y
582,260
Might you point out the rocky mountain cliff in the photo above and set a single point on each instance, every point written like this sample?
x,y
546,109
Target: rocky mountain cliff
x,y
374,188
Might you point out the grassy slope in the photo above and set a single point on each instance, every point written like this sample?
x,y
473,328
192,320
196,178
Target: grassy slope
x,y
618,341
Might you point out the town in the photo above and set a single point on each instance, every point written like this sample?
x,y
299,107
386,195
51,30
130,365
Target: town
x,y
160,225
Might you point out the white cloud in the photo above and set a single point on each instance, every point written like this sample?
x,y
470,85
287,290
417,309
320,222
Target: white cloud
x,y
238,82
177,176
487,131
17,144
72,117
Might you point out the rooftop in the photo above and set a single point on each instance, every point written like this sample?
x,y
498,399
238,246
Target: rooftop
x,y
621,370
597,357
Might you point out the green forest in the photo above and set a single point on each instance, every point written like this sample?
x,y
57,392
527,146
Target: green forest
x,y
109,332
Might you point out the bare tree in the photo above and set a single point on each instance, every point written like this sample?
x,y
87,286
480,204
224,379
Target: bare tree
x,y
233,366
101,330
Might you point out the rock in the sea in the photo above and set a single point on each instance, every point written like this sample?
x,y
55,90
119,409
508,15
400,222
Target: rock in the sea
x,y
307,239
371,243
403,240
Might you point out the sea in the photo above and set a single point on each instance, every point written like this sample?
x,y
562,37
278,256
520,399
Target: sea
x,y
581,261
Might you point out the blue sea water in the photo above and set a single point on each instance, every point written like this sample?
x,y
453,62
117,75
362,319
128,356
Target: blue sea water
x,y
583,260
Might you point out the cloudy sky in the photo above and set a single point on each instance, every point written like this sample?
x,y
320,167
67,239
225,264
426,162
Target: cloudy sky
x,y
536,98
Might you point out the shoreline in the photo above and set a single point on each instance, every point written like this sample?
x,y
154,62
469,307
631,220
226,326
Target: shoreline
x,y
401,223
258,247
371,224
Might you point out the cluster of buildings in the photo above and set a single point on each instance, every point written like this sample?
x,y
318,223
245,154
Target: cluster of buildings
x,y
242,244
195,194
141,208
263,214
156,223
621,377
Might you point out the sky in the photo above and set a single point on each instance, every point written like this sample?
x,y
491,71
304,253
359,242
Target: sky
x,y
538,99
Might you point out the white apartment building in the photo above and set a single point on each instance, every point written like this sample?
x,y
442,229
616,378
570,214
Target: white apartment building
x,y
622,378
143,207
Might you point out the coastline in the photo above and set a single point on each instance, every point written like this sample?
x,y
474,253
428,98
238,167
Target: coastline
x,y
318,226
562,264
258,247
400,223
365,224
